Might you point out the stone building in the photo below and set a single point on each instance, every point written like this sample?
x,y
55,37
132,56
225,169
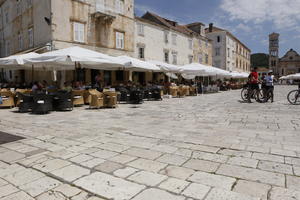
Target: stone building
x,y
106,26
229,53
274,52
289,63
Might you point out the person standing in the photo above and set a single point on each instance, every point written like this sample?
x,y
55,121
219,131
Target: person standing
x,y
269,80
253,81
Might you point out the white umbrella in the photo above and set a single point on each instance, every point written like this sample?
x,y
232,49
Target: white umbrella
x,y
16,62
236,75
64,59
195,69
165,67
283,78
139,65
294,76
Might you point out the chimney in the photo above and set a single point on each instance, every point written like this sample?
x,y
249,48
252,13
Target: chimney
x,y
211,25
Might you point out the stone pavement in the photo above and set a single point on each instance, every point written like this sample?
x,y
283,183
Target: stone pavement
x,y
210,147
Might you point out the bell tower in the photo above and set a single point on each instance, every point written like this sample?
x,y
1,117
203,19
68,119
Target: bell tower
x,y
274,53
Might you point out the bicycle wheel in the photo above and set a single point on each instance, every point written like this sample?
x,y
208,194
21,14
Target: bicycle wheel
x,y
244,94
294,97
259,95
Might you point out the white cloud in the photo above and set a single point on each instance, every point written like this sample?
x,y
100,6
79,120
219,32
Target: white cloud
x,y
244,27
283,13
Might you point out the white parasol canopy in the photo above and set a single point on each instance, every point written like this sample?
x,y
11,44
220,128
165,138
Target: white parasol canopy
x,y
195,69
237,75
15,62
293,76
139,65
165,67
64,59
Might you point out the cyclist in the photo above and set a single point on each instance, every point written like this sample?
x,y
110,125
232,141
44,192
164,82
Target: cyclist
x,y
253,84
269,79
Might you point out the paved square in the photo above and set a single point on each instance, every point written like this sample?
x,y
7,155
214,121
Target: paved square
x,y
208,147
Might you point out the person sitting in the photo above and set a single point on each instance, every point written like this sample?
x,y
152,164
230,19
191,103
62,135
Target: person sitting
x,y
67,87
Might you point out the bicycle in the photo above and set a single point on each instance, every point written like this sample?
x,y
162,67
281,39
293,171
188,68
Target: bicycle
x,y
294,97
267,94
255,94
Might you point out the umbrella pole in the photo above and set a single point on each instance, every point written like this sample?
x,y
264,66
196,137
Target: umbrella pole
x,y
32,73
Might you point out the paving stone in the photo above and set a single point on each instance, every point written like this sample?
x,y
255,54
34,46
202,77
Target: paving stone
x,y
11,156
241,161
50,195
147,165
252,189
124,173
209,156
202,165
205,148
153,193
296,170
213,180
71,172
51,165
93,162
178,172
67,190
230,152
11,170
33,160
147,178
293,182
184,152
40,186
24,176
164,148
292,161
18,196
268,157
258,149
122,158
113,147
7,190
275,167
172,159
278,193
174,185
81,158
252,174
109,187
81,196
283,152
108,167
104,154
196,191
143,153
3,165
220,194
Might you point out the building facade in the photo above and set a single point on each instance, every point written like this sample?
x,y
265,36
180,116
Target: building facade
x,y
106,26
228,52
289,63
164,40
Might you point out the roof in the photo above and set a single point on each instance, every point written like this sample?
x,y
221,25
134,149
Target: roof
x,y
291,56
217,29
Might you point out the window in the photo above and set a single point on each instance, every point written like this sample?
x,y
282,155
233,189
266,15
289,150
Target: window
x,y
191,59
29,3
120,6
218,51
20,41
206,43
119,75
140,28
166,37
200,58
190,44
79,32
200,43
141,52
120,40
218,39
7,48
174,58
218,64
19,8
30,37
174,39
6,17
228,52
206,58
166,56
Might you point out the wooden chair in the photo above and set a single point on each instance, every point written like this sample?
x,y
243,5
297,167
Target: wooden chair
x,y
193,91
181,92
87,96
22,91
77,96
7,99
187,90
174,91
97,99
110,99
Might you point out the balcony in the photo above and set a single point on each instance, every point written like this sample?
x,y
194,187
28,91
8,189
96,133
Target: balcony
x,y
105,12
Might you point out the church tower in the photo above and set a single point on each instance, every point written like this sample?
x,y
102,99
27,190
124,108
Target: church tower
x,y
274,52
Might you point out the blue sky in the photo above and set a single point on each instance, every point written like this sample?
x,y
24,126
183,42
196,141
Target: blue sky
x,y
249,20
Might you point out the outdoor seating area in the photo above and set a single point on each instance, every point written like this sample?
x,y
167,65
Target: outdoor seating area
x,y
39,97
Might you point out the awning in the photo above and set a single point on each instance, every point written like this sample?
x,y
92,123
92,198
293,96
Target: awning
x,y
139,65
